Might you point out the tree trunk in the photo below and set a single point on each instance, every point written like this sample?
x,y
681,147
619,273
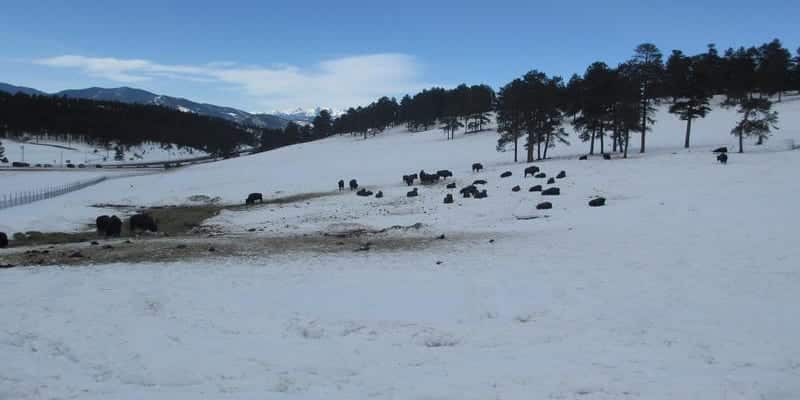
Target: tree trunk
x,y
602,142
615,137
591,146
627,140
546,145
530,146
644,123
760,140
688,131
516,139
741,142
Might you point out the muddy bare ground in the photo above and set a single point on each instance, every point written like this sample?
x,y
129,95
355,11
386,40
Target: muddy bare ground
x,y
183,236
165,249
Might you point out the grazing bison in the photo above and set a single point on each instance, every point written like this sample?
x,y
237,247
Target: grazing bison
x,y
253,197
597,202
3,240
412,193
720,150
448,199
477,167
379,195
553,191
532,170
426,178
551,181
505,174
537,188
353,184
444,174
479,182
143,222
515,189
409,179
481,195
364,192
561,175
544,205
101,223
540,175
114,228
451,185
341,184
723,158
470,191
606,156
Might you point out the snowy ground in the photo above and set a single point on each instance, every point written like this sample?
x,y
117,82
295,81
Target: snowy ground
x,y
53,152
683,286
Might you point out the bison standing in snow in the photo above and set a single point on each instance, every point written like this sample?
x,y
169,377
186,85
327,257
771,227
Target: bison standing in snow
x,y
532,170
3,240
143,222
253,197
722,158
353,184
114,228
477,167
101,224
341,184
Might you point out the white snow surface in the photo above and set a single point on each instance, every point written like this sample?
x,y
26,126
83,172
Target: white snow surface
x,y
684,286
53,152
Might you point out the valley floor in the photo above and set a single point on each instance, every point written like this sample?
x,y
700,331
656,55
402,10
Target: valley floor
x,y
684,285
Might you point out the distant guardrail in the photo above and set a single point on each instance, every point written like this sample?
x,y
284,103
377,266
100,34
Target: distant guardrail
x,y
30,196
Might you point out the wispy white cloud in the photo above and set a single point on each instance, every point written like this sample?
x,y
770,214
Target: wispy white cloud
x,y
337,83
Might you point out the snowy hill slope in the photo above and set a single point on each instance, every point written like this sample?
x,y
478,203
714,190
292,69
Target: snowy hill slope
x,y
683,286
54,152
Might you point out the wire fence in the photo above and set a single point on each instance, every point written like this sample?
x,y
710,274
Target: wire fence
x,y
30,196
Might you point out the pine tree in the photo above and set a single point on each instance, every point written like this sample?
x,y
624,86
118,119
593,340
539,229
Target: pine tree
x,y
649,67
323,124
758,119
773,68
687,84
2,150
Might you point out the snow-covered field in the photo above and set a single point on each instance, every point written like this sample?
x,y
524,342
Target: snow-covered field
x,y
684,286
56,153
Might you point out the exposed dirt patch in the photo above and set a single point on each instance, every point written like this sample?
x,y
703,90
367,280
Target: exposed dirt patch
x,y
164,249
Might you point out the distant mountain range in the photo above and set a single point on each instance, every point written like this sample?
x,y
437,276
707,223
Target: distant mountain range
x,y
303,115
138,96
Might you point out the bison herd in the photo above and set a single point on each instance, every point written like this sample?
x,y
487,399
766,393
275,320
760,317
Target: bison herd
x,y
111,226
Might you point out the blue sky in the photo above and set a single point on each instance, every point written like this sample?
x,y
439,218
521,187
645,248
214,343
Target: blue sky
x,y
263,56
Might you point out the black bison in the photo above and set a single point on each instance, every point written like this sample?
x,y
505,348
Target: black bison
x,y
412,193
364,192
341,184
544,205
114,228
481,195
584,157
540,175
448,199
477,167
253,197
3,240
537,188
101,224
353,184
597,202
720,150
469,191
551,181
561,175
426,178
444,174
409,179
479,182
451,185
553,191
143,222
515,189
505,174
723,158
379,195
606,156
532,170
